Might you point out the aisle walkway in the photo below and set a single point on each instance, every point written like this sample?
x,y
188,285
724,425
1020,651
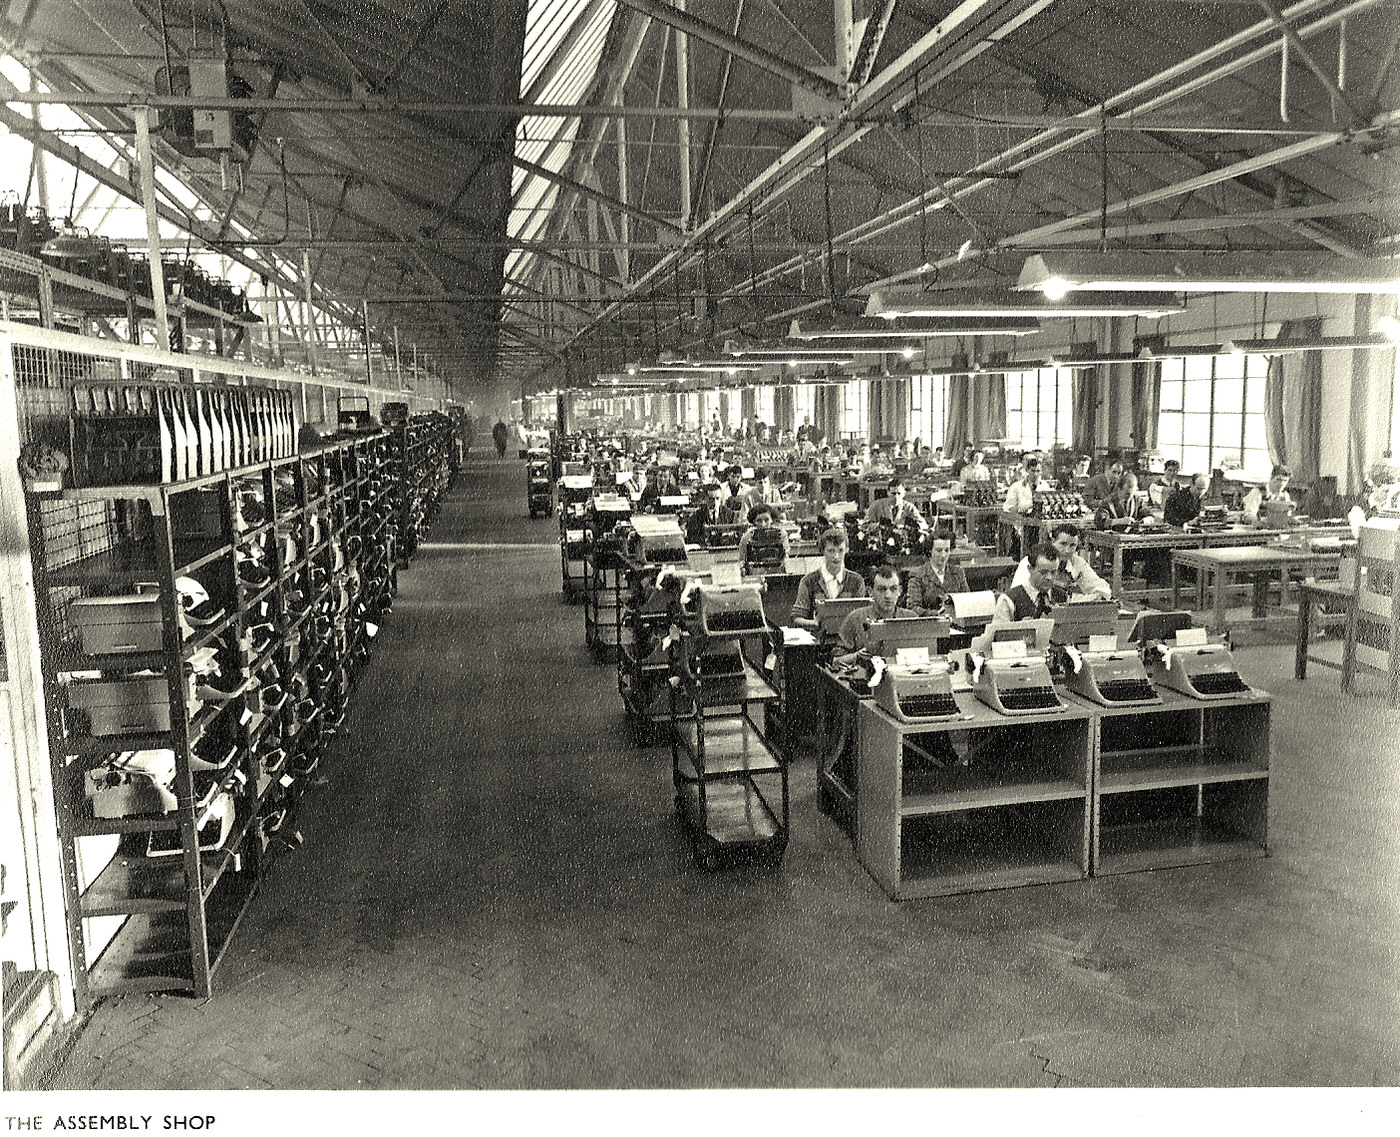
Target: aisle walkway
x,y
493,894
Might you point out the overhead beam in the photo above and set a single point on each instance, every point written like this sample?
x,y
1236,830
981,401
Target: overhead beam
x,y
760,57
1300,49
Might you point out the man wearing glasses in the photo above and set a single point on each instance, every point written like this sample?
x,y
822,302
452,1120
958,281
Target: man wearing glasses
x,y
1084,582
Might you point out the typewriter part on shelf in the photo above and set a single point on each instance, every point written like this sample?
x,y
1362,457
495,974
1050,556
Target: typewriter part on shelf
x,y
1111,678
731,611
132,783
657,540
1017,686
918,694
1203,671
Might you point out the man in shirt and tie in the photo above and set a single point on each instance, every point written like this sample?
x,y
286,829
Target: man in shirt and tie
x,y
707,514
1083,580
831,581
1032,599
894,510
884,605
1020,497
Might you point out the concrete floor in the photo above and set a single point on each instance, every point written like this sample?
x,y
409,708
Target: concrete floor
x,y
494,893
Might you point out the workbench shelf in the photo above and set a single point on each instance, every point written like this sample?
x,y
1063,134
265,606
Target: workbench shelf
x,y
1183,783
979,802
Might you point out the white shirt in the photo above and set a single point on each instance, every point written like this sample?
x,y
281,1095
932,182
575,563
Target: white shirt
x,y
1256,497
1020,497
832,584
1086,581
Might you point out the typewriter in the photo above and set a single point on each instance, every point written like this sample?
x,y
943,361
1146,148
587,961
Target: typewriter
x,y
831,614
1017,686
724,536
727,612
765,549
657,540
919,694
1112,679
1203,671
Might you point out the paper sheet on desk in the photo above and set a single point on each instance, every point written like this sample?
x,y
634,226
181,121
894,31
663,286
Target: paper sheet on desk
x,y
797,637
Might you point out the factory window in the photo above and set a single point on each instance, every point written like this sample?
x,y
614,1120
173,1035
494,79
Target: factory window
x,y
1212,413
928,408
855,412
1040,407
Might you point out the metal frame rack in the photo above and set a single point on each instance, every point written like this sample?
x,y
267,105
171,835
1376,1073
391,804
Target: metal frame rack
x,y
723,768
290,637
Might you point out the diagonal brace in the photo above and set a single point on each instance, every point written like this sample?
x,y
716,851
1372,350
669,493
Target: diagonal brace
x,y
752,53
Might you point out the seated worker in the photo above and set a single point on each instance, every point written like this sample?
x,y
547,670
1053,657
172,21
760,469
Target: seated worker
x,y
1183,505
1162,488
1124,503
884,605
876,462
832,581
1020,497
1034,597
761,518
733,485
707,514
960,463
661,484
1101,486
932,583
1276,490
1072,569
764,491
894,509
734,510
975,471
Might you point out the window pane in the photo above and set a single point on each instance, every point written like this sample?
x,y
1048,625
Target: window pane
x,y
1169,431
1171,395
1254,394
1257,464
1195,460
1254,437
1198,367
1229,366
1195,429
1195,397
1229,395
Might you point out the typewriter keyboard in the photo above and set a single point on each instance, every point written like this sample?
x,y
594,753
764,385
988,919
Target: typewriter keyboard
x,y
1221,683
733,622
1031,699
1127,690
928,706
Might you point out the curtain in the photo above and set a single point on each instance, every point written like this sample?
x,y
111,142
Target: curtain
x,y
1369,420
827,405
1293,404
988,409
956,434
1145,392
889,409
1084,413
785,409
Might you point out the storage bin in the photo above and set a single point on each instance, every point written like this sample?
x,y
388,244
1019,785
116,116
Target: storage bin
x,y
123,706
112,624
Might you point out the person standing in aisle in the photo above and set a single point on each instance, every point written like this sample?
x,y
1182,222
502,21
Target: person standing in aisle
x,y
500,434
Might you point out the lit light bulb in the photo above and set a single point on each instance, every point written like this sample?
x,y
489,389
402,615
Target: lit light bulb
x,y
964,249
792,363
630,371
908,353
1056,288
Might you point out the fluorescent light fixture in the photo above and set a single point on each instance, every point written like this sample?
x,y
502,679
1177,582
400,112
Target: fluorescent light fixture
x,y
810,350
1389,327
1062,273
953,304
877,324
1315,343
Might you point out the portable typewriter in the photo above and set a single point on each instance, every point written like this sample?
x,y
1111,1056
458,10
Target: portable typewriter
x,y
723,536
1017,686
730,611
657,540
831,614
1203,671
765,549
1112,679
918,694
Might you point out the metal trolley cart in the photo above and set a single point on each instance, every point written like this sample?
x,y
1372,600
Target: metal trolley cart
x,y
574,492
731,786
538,484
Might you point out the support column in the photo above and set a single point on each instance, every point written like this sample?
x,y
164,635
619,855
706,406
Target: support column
x,y
683,123
146,162
309,322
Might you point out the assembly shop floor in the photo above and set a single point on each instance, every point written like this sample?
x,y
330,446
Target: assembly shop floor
x,y
494,893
